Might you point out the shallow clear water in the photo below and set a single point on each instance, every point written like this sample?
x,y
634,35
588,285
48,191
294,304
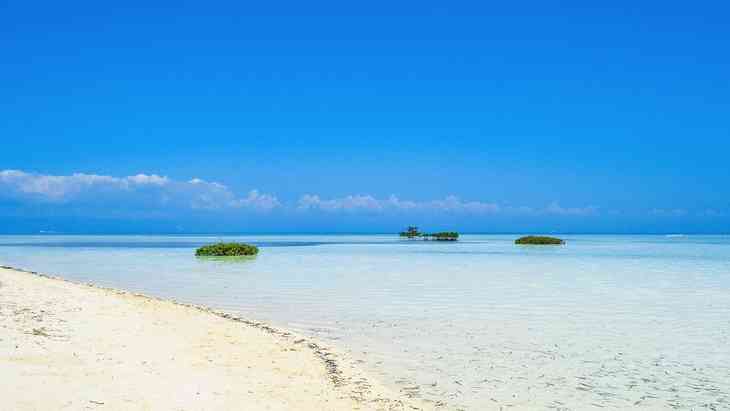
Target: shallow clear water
x,y
605,321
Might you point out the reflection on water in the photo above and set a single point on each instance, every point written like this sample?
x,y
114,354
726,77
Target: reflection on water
x,y
605,321
230,259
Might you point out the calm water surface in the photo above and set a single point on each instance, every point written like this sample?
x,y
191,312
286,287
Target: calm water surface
x,y
603,322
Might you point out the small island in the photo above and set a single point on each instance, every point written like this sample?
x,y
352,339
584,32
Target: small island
x,y
413,233
539,240
226,250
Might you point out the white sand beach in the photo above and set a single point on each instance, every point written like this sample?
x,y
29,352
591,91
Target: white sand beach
x,y
70,346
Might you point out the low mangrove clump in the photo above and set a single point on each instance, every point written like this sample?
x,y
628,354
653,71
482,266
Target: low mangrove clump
x,y
226,250
444,236
413,233
539,240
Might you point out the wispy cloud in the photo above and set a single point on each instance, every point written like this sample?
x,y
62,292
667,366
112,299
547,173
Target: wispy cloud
x,y
711,212
361,202
152,191
138,190
62,188
681,212
348,203
393,203
555,208
675,212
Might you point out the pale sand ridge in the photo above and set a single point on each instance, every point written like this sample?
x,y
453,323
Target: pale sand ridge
x,y
72,346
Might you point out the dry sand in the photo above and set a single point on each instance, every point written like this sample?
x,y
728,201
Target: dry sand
x,y
71,346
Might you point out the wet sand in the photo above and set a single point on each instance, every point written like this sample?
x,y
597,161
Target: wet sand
x,y
71,346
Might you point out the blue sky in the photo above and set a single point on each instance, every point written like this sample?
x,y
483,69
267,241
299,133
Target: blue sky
x,y
330,116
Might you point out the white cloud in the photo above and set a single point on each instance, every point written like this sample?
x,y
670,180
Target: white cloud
x,y
145,191
370,203
149,179
257,200
555,208
452,203
139,190
710,212
348,203
54,188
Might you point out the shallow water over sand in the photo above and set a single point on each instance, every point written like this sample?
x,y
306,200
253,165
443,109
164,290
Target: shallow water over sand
x,y
605,321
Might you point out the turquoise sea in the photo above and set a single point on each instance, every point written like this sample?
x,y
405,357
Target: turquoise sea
x,y
610,322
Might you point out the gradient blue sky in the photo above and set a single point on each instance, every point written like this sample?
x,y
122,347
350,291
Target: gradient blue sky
x,y
505,117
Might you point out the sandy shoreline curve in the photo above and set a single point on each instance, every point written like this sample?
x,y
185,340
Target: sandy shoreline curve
x,y
65,345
